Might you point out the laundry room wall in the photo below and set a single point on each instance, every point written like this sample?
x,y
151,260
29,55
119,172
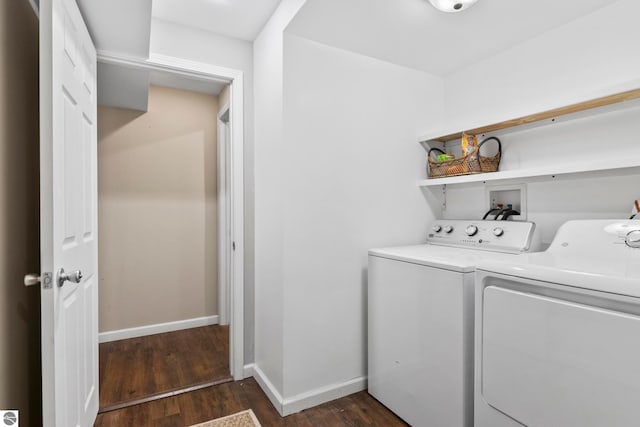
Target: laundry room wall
x,y
337,166
586,58
20,372
157,190
352,163
268,58
589,57
168,38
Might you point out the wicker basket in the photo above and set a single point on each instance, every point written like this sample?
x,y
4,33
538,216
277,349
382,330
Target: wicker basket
x,y
473,162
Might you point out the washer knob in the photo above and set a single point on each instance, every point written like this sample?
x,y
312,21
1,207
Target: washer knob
x,y
633,239
448,229
498,231
437,228
471,230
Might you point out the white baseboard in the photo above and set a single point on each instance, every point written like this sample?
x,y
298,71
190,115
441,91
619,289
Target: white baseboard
x,y
305,400
249,370
158,328
267,387
321,395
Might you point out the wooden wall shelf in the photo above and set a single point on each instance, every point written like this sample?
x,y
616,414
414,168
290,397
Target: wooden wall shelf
x,y
618,167
539,117
592,107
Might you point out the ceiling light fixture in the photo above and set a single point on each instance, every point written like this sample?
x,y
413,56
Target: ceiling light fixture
x,y
452,5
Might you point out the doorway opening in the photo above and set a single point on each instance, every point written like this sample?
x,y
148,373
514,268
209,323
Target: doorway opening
x,y
181,338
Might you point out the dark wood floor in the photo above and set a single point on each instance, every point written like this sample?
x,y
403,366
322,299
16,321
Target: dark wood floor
x,y
184,410
139,368
133,369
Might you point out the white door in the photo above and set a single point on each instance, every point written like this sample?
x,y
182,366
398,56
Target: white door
x,y
68,190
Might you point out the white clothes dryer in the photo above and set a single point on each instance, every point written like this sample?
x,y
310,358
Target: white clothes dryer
x,y
558,332
421,314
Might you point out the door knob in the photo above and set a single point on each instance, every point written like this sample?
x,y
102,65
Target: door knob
x,y
31,279
72,276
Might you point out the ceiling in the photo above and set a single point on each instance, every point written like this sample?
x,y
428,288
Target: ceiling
x,y
414,34
241,19
121,26
406,32
409,33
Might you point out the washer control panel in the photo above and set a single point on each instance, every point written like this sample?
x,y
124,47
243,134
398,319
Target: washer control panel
x,y
499,236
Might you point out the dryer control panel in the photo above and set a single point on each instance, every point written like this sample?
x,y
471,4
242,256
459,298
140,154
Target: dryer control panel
x,y
600,237
497,236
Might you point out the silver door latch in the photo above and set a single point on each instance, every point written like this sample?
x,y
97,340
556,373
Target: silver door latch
x,y
34,279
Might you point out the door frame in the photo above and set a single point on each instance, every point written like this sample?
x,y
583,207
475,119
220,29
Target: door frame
x,y
235,78
224,195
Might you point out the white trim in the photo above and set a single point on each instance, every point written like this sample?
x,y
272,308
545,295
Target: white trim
x,y
236,297
224,198
193,68
307,399
249,370
268,388
165,64
321,395
179,66
158,328
202,71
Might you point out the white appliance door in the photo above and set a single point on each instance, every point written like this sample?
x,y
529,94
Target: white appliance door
x,y
420,342
552,362
68,201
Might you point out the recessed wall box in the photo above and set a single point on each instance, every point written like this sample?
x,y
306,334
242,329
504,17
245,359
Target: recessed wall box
x,y
501,196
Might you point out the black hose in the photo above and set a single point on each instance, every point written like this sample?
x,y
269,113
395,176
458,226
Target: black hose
x,y
501,212
508,213
489,212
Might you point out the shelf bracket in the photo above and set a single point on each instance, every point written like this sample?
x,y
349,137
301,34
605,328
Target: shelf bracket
x,y
444,197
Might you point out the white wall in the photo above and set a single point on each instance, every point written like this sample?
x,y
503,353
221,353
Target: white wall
x,y
175,40
352,163
337,165
269,196
586,58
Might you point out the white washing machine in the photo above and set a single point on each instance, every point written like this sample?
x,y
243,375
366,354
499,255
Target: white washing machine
x,y
421,314
558,332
